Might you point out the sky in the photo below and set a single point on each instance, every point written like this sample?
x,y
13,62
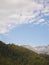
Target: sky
x,y
24,22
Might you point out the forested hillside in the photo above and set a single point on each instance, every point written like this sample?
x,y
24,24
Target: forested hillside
x,y
11,54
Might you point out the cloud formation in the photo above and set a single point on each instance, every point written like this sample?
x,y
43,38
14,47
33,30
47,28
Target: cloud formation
x,y
13,12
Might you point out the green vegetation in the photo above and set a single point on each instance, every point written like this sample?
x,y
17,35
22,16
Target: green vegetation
x,y
11,54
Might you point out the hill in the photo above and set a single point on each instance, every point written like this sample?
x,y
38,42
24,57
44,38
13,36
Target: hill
x,y
11,54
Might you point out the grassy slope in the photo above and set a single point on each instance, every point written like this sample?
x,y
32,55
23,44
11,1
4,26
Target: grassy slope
x,y
16,55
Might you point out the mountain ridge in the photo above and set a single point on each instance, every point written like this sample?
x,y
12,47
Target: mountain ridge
x,y
11,54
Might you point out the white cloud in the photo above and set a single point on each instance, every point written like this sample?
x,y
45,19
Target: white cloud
x,y
40,21
13,12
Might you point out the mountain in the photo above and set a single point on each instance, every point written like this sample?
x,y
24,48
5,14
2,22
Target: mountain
x,y
29,47
42,49
11,54
38,49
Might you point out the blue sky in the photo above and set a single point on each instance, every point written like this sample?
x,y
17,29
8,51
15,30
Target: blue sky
x,y
27,34
24,22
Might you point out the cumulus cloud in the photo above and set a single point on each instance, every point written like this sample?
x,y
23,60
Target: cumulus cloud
x,y
13,12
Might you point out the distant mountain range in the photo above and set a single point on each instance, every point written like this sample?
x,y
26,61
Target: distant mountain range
x,y
38,49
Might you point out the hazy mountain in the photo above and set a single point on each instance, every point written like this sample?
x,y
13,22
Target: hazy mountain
x,y
29,47
42,49
38,49
11,54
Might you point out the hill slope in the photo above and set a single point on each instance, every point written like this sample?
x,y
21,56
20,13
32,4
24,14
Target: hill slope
x,y
11,54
